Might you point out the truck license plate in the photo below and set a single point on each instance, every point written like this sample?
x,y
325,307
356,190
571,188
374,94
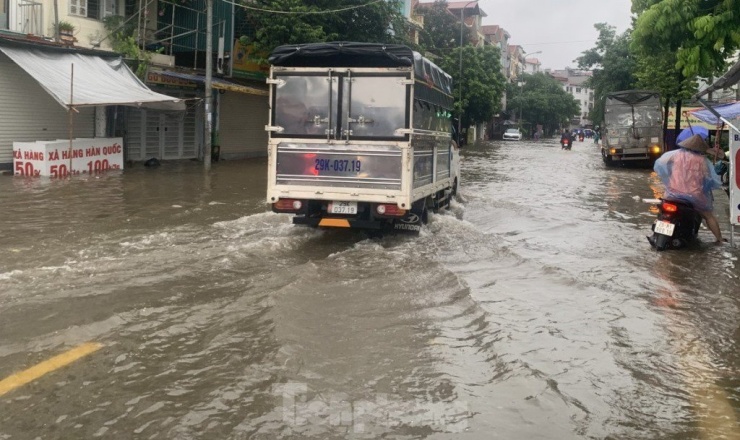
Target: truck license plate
x,y
664,228
343,208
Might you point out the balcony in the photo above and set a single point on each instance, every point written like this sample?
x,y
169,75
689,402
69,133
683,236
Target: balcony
x,y
418,20
24,17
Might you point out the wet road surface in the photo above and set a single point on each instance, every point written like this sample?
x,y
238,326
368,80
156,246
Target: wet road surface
x,y
533,309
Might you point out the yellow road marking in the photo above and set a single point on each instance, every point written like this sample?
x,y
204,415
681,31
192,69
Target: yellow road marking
x,y
23,377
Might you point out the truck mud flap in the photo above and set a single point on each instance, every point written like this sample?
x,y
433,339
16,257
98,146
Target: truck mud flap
x,y
339,222
410,224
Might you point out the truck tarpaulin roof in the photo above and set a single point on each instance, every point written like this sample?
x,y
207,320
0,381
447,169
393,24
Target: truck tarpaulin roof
x,y
632,97
352,54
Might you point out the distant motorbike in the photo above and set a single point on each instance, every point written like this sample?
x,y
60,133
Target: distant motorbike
x,y
565,144
677,224
580,137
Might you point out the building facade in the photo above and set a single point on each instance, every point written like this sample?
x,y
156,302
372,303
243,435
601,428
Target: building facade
x,y
574,82
532,65
175,33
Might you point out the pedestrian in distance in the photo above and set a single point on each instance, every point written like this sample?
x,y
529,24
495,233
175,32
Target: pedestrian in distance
x,y
689,175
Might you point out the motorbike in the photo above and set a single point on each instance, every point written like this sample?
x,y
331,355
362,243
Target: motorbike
x,y
580,137
565,144
676,226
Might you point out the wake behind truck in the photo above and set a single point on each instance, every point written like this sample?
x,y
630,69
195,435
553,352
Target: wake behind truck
x,y
359,136
633,128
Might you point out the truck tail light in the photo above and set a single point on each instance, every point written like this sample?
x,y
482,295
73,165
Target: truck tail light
x,y
390,209
288,205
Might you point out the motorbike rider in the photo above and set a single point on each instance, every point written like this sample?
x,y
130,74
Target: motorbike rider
x,y
565,136
688,175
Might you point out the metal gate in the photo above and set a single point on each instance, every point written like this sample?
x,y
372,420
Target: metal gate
x,y
161,134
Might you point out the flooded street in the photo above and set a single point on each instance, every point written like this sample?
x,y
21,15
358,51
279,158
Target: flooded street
x,y
533,309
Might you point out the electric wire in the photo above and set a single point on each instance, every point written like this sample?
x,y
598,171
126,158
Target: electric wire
x,y
327,11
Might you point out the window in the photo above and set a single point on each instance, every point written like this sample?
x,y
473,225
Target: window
x,y
97,9
78,7
578,90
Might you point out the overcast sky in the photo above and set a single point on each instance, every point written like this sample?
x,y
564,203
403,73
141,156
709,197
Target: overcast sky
x,y
561,29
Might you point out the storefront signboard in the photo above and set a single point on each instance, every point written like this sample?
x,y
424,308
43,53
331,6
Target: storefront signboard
x,y
57,159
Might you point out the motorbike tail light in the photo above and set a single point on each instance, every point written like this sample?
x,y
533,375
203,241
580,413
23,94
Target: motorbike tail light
x,y
288,205
669,207
390,209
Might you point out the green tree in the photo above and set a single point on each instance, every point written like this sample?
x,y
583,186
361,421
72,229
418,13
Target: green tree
x,y
441,28
482,82
612,66
703,34
312,21
542,100
676,40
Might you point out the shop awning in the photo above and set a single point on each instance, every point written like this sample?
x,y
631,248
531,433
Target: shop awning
x,y
727,111
216,83
98,81
729,79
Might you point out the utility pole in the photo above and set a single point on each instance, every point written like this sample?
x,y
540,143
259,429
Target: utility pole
x,y
459,87
209,86
56,20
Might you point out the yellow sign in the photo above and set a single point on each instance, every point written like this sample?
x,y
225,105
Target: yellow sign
x,y
245,64
687,118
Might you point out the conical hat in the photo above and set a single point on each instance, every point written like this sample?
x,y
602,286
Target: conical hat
x,y
695,143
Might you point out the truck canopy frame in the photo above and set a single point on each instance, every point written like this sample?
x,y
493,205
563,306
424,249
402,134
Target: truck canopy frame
x,y
350,54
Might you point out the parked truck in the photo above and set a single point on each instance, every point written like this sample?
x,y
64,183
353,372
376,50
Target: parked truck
x,y
633,128
360,136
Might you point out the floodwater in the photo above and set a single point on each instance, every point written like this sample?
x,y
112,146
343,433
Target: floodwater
x,y
533,309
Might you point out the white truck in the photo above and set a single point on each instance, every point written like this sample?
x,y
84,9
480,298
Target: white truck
x,y
360,136
633,128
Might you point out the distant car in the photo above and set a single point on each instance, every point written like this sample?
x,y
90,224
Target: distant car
x,y
512,134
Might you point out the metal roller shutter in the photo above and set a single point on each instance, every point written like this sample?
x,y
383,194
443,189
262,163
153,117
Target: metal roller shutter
x,y
162,134
28,113
242,125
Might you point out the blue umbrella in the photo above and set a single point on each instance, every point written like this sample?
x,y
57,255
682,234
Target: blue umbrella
x,y
688,132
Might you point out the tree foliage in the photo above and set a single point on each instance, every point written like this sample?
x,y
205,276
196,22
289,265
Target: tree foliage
x,y
302,22
542,100
703,34
441,29
482,82
612,65
658,72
